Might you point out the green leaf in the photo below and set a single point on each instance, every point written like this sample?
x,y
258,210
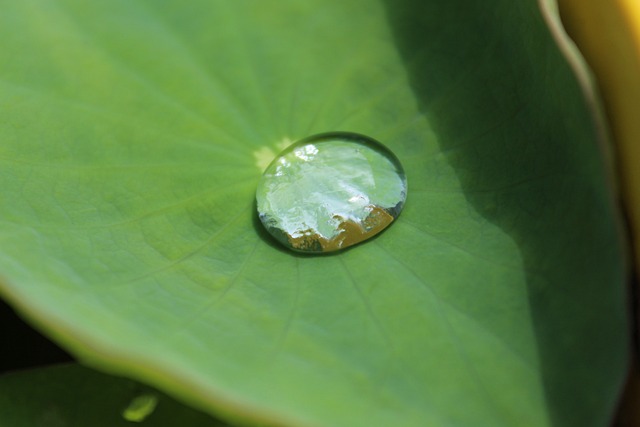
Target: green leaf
x,y
73,396
133,137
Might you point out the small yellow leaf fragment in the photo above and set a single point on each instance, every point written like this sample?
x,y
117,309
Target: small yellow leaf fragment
x,y
265,155
284,144
140,408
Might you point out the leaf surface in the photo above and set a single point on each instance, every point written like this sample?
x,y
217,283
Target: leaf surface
x,y
133,137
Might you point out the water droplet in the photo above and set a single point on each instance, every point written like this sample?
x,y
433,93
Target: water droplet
x,y
330,191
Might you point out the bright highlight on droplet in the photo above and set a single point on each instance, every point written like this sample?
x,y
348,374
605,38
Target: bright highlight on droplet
x,y
140,408
331,191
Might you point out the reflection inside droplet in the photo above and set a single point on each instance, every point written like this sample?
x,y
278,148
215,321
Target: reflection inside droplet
x,y
331,191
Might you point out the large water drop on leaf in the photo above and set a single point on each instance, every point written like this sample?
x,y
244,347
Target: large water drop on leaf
x,y
330,191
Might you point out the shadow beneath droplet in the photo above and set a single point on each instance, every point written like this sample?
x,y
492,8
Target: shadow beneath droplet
x,y
511,122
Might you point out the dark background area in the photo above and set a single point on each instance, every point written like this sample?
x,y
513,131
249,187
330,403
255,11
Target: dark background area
x,y
22,346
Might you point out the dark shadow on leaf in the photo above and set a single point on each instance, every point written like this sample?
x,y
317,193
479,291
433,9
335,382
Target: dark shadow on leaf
x,y
510,117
